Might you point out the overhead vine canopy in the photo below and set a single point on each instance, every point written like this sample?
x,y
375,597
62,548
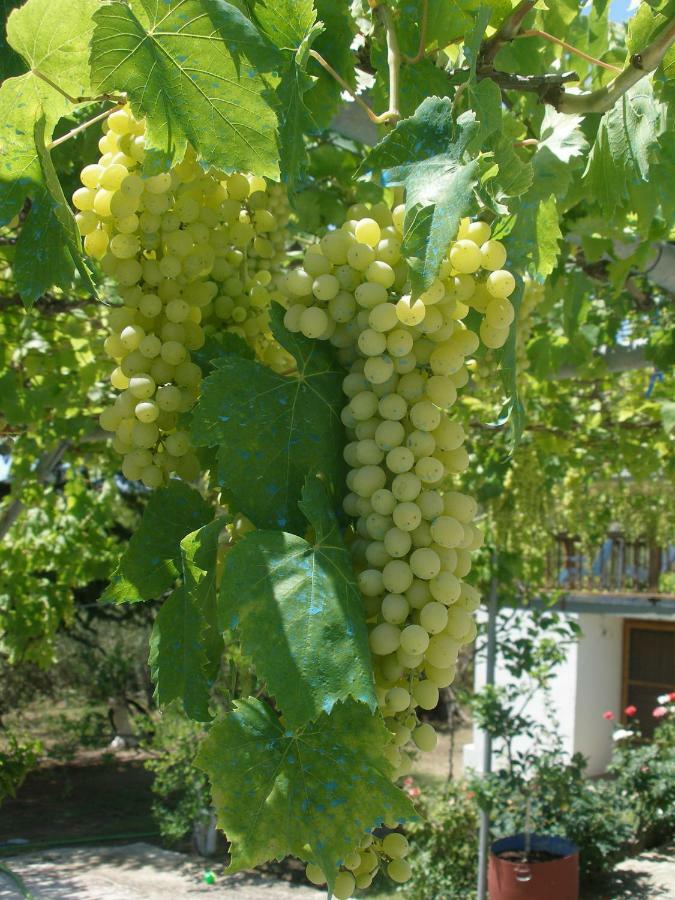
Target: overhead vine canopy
x,y
341,288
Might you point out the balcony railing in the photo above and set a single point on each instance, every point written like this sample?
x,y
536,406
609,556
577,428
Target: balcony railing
x,y
616,565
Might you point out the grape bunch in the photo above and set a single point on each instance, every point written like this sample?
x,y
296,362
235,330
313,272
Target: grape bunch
x,y
190,252
413,531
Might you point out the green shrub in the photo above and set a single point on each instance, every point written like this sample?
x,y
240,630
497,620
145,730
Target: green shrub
x,y
444,855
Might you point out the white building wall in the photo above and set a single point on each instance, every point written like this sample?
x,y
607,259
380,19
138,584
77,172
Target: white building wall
x,y
598,687
586,684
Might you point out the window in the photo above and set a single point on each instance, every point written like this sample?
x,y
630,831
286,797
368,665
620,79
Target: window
x,y
648,666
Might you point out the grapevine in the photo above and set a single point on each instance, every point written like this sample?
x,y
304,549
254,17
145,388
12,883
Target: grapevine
x,y
303,407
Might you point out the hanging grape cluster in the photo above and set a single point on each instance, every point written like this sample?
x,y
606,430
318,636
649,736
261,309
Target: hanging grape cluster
x,y
189,252
413,532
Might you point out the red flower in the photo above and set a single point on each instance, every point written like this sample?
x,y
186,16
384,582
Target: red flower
x,y
671,696
660,712
630,710
608,715
413,791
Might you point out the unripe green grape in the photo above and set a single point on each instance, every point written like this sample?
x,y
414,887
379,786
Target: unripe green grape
x,y
455,461
364,880
399,871
379,272
367,453
315,263
342,307
384,639
135,363
397,576
129,272
383,318
376,555
392,406
425,738
397,699
150,305
325,287
465,256
499,313
425,563
493,255
150,346
406,487
434,294
399,342
395,846
445,588
142,386
441,391
388,434
400,459
147,411
188,374
440,677
414,640
461,506
178,443
119,380
377,526
397,543
395,609
87,222
478,232
292,315
364,405
429,469
173,353
378,369
368,479
383,501
96,243
344,885
500,283
407,516
424,416
433,618
442,651
145,435
315,874
410,312
411,386
447,531
161,371
109,419
448,435
313,321
369,295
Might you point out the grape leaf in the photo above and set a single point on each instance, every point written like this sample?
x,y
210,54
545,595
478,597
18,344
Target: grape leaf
x,y
193,69
312,792
626,145
293,28
286,22
186,645
54,39
150,564
48,248
273,430
291,600
428,155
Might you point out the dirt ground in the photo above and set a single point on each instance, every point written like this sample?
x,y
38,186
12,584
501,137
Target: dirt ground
x,y
136,872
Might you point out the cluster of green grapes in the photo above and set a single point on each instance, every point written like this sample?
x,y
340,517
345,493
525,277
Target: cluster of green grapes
x,y
361,866
189,251
485,370
413,534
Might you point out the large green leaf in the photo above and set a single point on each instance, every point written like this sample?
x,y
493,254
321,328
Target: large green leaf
x,y
185,645
55,42
293,28
427,153
273,430
625,148
193,69
151,563
312,792
53,38
300,614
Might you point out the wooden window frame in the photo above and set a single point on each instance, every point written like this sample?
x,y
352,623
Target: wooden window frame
x,y
628,626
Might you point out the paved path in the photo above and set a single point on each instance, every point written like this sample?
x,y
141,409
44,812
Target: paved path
x,y
135,872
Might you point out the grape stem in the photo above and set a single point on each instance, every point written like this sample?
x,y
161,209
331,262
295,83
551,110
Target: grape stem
x,y
345,86
535,32
411,60
394,64
83,126
115,98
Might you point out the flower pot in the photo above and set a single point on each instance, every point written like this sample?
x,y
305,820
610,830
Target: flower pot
x,y
550,873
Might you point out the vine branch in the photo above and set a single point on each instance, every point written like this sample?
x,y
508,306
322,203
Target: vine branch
x,y
83,127
535,32
641,64
505,33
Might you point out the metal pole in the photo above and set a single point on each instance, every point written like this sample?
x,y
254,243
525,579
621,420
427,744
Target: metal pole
x,y
484,827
